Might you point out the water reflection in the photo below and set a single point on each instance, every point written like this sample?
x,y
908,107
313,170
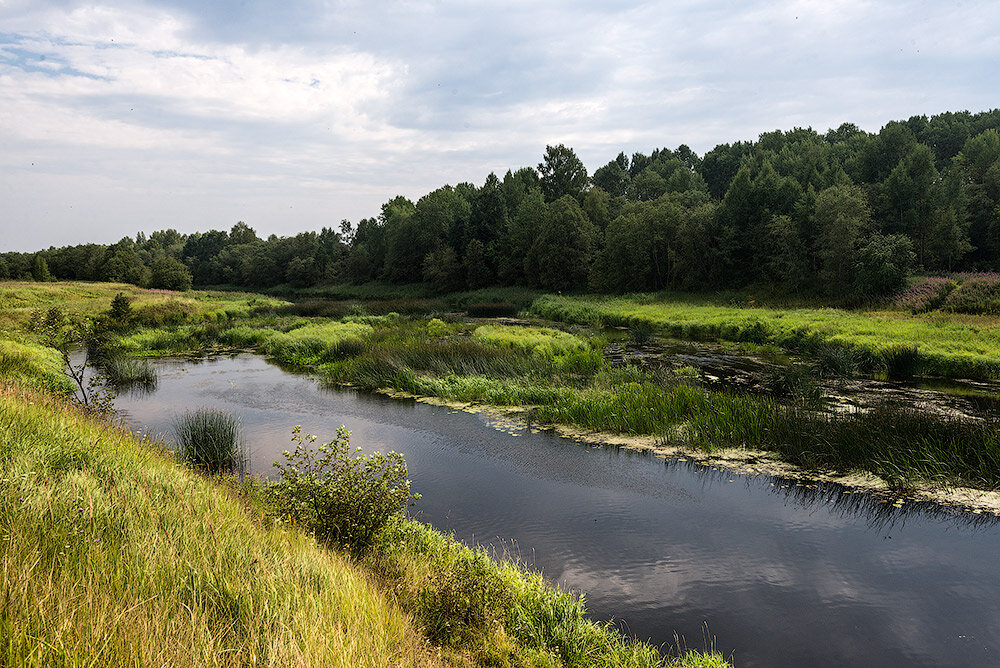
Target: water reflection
x,y
783,572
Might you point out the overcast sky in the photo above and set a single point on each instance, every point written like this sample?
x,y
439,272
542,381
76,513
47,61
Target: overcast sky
x,y
117,117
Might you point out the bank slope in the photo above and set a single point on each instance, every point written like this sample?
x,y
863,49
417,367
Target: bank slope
x,y
113,555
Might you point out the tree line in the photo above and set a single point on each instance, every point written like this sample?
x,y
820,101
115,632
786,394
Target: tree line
x,y
848,214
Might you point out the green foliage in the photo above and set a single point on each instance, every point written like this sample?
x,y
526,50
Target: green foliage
x,y
902,362
40,269
169,274
209,440
342,496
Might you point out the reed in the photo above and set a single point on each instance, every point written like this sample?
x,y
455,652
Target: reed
x,y
122,371
210,441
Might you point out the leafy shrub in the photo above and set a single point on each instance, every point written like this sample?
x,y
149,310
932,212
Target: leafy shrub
x,y
437,327
344,498
209,440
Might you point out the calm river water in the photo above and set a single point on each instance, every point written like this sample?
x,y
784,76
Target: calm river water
x,y
779,575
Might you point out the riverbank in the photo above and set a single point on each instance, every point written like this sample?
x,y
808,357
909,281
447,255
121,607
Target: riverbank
x,y
564,378
108,540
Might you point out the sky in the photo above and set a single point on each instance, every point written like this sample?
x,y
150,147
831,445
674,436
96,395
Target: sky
x,y
129,116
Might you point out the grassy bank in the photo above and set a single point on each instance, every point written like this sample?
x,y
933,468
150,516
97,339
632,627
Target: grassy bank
x,y
948,344
115,554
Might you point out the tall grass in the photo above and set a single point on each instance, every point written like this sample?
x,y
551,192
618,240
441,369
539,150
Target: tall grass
x,y
114,556
209,440
33,365
463,597
951,345
122,371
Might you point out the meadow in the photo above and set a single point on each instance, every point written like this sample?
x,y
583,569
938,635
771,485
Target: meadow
x,y
949,344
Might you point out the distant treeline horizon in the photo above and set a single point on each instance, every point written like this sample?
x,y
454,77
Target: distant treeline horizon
x,y
846,214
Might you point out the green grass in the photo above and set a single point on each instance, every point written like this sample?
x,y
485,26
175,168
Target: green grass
x,y
124,371
19,300
210,441
948,344
543,340
33,365
113,555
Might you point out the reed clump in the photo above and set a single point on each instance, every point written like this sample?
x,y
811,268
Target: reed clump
x,y
209,440
122,371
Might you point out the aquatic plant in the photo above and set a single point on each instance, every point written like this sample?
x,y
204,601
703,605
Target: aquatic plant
x,y
209,440
122,371
902,362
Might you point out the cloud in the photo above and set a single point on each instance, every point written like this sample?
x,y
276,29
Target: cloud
x,y
368,100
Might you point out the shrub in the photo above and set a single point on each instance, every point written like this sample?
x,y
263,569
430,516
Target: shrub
x,y
209,440
344,498
437,327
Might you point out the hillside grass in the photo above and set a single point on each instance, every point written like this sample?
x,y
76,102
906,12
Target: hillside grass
x,y
114,555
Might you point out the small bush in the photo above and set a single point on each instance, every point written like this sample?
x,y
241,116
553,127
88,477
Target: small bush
x,y
209,440
437,327
978,294
927,295
344,498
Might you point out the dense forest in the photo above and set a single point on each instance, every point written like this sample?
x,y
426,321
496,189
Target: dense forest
x,y
845,214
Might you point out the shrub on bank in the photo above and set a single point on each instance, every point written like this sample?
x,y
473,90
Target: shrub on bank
x,y
341,496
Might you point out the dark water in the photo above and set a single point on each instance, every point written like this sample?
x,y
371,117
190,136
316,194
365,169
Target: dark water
x,y
782,575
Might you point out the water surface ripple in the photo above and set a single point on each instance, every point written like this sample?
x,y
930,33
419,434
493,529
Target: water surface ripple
x,y
782,575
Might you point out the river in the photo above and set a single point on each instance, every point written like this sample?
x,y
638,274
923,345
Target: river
x,y
777,574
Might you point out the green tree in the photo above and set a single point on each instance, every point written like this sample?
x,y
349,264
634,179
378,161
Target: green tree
x,y
562,173
169,274
842,217
477,268
442,269
883,265
40,269
559,258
